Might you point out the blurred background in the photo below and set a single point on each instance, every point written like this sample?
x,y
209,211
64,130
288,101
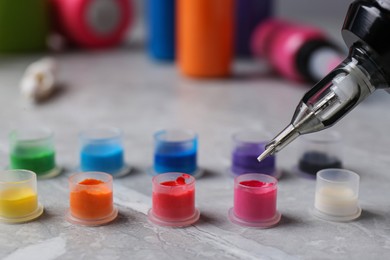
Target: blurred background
x,y
193,34
328,15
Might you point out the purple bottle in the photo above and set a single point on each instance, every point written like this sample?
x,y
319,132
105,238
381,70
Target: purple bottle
x,y
247,146
249,13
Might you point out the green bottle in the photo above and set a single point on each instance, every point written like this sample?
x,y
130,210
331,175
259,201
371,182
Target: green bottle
x,y
24,25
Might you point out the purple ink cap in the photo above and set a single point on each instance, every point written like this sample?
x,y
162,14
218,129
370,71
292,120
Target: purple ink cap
x,y
247,147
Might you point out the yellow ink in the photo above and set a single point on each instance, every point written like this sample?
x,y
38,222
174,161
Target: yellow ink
x,y
17,202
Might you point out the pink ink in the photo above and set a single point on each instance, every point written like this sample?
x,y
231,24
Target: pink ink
x,y
255,183
255,198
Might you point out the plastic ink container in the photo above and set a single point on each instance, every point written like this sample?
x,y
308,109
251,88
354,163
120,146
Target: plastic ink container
x,y
33,149
175,150
205,37
102,151
297,52
255,201
336,197
319,151
173,200
25,25
249,14
161,26
247,147
93,23
19,196
91,199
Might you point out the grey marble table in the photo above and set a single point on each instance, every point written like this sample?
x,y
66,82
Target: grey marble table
x,y
124,88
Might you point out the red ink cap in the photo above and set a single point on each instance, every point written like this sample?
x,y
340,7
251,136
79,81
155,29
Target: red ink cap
x,y
173,200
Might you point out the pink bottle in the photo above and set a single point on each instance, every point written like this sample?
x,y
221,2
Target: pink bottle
x,y
298,52
255,197
93,23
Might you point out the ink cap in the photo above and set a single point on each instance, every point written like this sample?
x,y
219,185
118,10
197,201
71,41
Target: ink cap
x,y
19,197
173,200
255,201
336,197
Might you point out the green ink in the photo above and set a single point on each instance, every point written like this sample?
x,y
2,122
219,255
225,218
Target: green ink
x,y
37,159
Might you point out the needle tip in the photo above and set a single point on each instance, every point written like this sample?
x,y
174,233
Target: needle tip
x,y
270,149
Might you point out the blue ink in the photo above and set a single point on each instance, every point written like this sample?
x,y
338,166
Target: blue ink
x,y
181,161
175,150
107,158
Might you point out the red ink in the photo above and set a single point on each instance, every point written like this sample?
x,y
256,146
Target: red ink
x,y
179,181
169,183
176,203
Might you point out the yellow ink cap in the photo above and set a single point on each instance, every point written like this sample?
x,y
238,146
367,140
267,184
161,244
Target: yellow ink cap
x,y
18,196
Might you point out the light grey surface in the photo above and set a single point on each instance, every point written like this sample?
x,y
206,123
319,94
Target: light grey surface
x,y
124,88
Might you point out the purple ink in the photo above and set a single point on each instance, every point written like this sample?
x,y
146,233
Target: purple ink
x,y
247,147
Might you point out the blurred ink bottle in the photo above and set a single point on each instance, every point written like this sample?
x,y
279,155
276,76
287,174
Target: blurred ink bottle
x,y
297,52
24,25
205,37
249,14
161,29
93,24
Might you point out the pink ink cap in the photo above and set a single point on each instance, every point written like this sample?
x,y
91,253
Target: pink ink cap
x,y
255,197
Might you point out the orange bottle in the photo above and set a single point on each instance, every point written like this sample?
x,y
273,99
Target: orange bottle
x,y
205,37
